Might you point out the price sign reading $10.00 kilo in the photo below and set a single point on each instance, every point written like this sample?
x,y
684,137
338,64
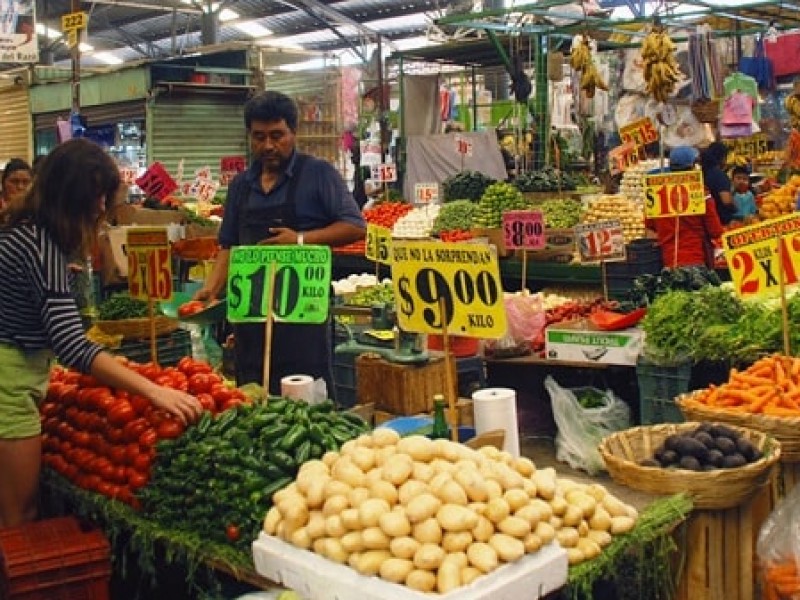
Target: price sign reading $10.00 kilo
x,y
755,253
379,244
302,283
464,276
524,229
674,194
604,240
149,263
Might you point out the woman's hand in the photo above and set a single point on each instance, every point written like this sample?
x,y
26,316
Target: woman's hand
x,y
184,406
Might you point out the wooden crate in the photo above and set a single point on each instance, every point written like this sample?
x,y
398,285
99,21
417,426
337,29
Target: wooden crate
x,y
397,388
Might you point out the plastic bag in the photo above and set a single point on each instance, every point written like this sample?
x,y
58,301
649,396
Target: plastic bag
x,y
580,429
526,320
778,549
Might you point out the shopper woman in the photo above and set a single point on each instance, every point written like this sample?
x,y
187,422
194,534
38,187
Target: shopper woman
x,y
56,219
16,179
712,160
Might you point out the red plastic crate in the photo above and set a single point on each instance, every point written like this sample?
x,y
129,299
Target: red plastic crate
x,y
54,559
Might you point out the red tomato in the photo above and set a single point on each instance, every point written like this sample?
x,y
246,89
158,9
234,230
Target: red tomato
x,y
124,494
199,383
116,454
132,450
140,404
81,438
142,462
231,403
133,429
150,370
232,532
190,308
207,402
120,474
221,393
49,409
156,416
170,429
136,479
115,435
148,438
87,381
121,413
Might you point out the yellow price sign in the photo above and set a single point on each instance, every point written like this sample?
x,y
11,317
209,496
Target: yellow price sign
x,y
754,254
149,263
464,277
674,194
640,133
379,244
74,21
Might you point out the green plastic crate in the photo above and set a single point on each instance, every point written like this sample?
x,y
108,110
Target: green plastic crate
x,y
658,387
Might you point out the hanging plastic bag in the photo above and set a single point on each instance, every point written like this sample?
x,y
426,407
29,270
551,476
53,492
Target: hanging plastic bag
x,y
778,549
526,320
584,416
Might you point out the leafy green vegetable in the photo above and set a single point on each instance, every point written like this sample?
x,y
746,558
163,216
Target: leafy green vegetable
x,y
121,306
469,185
457,214
548,179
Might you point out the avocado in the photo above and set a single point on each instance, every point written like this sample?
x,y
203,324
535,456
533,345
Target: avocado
x,y
671,442
690,463
704,438
726,445
746,448
723,431
715,458
733,461
688,446
669,457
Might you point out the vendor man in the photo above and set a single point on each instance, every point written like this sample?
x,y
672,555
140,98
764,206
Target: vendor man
x,y
285,197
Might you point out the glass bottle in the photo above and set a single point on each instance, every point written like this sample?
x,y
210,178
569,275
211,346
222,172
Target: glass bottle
x,y
440,428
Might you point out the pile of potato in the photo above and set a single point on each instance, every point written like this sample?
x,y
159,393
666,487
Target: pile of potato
x,y
435,515
608,207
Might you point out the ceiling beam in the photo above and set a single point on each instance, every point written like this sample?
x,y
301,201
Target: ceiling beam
x,y
163,6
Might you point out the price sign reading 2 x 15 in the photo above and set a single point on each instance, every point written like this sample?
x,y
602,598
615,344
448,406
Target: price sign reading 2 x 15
x,y
149,263
379,244
465,277
675,194
754,254
302,283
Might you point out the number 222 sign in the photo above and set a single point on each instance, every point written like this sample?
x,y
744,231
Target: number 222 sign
x,y
149,263
754,254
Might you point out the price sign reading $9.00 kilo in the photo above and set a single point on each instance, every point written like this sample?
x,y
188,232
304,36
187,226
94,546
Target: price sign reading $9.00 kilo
x,y
674,194
755,253
379,244
149,263
302,283
604,240
464,276
524,229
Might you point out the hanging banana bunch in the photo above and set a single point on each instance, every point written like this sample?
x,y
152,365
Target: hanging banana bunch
x,y
792,104
581,60
661,71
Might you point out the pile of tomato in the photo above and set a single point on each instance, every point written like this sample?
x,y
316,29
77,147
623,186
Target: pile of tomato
x,y
455,235
104,440
384,214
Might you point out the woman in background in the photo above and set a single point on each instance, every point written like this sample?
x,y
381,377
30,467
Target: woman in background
x,y
717,182
16,179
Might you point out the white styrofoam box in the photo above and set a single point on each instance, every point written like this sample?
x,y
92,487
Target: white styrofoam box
x,y
581,342
317,578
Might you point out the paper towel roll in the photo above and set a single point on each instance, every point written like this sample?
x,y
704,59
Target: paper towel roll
x,y
298,387
496,408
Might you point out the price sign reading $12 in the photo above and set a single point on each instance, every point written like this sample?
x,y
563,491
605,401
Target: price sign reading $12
x,y
754,255
149,263
524,229
464,277
379,244
604,240
302,283
674,194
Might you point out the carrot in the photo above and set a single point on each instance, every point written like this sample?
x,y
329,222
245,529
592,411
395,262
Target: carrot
x,y
758,405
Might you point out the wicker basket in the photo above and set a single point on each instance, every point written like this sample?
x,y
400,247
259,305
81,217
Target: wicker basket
x,y
718,489
138,328
784,429
706,111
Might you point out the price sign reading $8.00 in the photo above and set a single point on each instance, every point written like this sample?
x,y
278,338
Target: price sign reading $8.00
x,y
524,229
302,283
464,276
754,255
604,240
674,194
379,244
149,263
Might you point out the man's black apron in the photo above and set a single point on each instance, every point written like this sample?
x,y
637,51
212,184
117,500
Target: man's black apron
x,y
296,349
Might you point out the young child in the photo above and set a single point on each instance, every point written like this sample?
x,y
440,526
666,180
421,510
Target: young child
x,y
743,196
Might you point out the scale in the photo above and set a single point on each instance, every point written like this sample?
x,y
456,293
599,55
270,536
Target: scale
x,y
385,338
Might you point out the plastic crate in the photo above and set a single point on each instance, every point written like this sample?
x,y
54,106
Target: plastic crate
x,y
344,378
54,560
658,387
471,375
170,348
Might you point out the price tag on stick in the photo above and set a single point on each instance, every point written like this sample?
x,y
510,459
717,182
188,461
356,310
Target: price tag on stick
x,y
426,193
640,132
301,289
602,241
379,244
384,173
675,194
524,229
622,158
156,182
149,263
465,276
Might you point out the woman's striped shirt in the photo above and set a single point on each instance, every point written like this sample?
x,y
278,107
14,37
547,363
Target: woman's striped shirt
x,y
37,309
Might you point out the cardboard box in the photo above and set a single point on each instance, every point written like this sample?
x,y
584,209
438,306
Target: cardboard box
x,y
128,214
581,341
495,237
314,576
